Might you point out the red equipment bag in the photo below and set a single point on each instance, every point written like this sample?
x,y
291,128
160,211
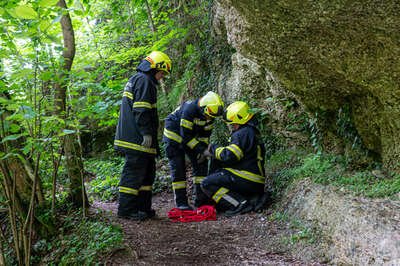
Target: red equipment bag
x,y
203,213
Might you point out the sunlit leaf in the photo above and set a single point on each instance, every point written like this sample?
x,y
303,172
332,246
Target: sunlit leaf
x,y
54,39
25,12
46,75
44,25
78,12
22,74
46,3
68,131
12,13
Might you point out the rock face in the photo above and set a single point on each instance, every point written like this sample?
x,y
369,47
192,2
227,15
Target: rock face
x,y
362,231
329,54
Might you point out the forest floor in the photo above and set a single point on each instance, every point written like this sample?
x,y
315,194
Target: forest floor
x,y
250,239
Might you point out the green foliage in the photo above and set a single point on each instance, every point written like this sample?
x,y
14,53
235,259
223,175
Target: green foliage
x,y
220,134
314,166
365,183
104,175
80,242
285,167
315,133
278,166
107,172
271,141
355,154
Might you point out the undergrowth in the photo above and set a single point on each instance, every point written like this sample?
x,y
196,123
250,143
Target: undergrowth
x,y
104,175
286,166
79,242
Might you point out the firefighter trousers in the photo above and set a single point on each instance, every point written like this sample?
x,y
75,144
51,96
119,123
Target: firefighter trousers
x,y
228,190
135,186
176,158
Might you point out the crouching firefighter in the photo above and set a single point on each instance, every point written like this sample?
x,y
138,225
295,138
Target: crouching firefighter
x,y
136,137
241,176
187,131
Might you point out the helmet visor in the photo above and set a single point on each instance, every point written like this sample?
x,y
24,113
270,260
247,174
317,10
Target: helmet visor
x,y
225,117
215,113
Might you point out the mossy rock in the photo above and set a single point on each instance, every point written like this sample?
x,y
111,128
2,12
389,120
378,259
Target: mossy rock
x,y
330,54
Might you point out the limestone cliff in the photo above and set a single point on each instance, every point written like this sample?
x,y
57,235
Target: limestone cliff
x,y
328,54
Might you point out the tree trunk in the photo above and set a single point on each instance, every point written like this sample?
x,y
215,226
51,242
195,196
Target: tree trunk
x,y
150,17
16,172
72,149
17,183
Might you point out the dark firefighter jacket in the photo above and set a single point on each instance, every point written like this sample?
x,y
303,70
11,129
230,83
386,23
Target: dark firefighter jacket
x,y
138,113
244,156
188,126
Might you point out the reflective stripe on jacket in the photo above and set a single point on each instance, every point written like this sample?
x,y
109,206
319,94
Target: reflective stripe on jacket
x,y
188,126
244,156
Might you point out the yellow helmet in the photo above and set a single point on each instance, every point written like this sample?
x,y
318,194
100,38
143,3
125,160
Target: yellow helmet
x,y
160,61
212,104
238,113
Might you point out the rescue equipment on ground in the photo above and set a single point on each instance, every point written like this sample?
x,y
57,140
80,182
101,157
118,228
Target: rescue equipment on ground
x,y
203,213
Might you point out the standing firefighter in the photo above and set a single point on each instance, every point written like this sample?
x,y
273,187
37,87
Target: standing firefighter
x,y
241,176
136,137
187,131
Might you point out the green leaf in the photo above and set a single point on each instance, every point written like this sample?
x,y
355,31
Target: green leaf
x,y
14,128
1,11
46,75
78,12
25,12
12,13
44,25
11,137
68,131
46,3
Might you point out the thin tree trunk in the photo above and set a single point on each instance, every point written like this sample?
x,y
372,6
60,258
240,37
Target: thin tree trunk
x,y
12,165
18,182
131,19
150,17
73,155
56,163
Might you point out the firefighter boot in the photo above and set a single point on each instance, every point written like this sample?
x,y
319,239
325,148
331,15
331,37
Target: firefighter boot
x,y
200,198
181,201
128,208
233,204
145,203
243,207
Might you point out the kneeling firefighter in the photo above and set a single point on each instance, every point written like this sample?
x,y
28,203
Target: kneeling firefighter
x,y
241,175
187,131
136,137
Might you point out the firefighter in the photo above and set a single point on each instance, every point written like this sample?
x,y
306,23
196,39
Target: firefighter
x,y
187,131
241,176
136,136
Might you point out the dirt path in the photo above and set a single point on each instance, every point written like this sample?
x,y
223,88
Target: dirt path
x,y
240,240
